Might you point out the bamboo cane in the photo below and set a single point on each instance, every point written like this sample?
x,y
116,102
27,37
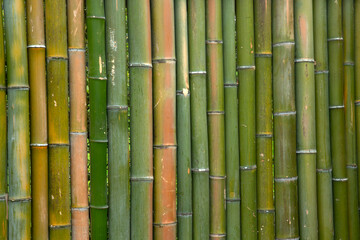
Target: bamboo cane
x,y
164,107
215,111
231,123
323,154
98,122
119,195
19,208
141,123
337,124
286,199
264,131
184,189
246,91
78,121
58,120
3,150
305,108
38,118
349,108
357,87
199,135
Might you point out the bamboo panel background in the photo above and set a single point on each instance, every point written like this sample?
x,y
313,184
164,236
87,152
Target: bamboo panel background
x,y
179,119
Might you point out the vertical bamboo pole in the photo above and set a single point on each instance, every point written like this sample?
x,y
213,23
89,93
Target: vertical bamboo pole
x,y
264,124
337,124
199,135
117,110
231,122
323,154
141,119
18,125
305,108
247,146
183,129
78,121
357,87
95,19
164,107
215,111
286,191
3,150
349,108
58,119
38,118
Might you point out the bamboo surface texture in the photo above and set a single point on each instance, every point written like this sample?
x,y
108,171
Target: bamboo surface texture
x,y
357,86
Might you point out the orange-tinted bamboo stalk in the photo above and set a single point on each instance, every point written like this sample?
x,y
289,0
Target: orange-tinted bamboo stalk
x,y
78,121
38,118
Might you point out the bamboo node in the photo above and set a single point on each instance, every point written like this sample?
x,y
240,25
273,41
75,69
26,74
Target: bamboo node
x,y
352,166
21,88
266,211
142,179
38,144
164,60
185,92
230,85
290,179
60,226
306,151
285,113
349,64
335,39
186,214
357,102
252,167
200,170
321,170
197,72
164,224
117,107
297,238
76,50
264,55
2,87
56,58
141,65
36,46
217,177
164,146
99,140
59,145
97,78
283,44
340,179
244,67
96,17
322,72
99,207
336,107
214,41
232,200
217,235
304,60
78,133
264,135
215,112
80,209
25,199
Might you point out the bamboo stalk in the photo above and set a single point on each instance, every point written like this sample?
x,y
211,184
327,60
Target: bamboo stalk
x,y
183,120
305,108
164,107
337,124
58,119
323,154
38,118
3,145
199,135
247,128
117,109
357,86
231,122
264,124
78,121
19,208
215,111
286,191
349,108
141,119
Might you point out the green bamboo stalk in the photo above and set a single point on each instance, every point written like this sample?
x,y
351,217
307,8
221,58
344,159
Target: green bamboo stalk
x,y
215,111
117,110
78,121
357,87
58,120
141,119
264,124
323,153
349,108
164,107
305,108
183,120
247,128
19,208
38,118
286,191
337,121
231,122
3,145
199,135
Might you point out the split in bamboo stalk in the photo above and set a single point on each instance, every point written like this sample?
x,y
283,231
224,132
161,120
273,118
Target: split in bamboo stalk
x,y
141,119
231,122
117,110
215,111
247,128
199,135
305,108
323,154
286,191
183,129
357,87
58,119
349,108
38,118
164,107
19,202
3,150
337,119
264,124
78,121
